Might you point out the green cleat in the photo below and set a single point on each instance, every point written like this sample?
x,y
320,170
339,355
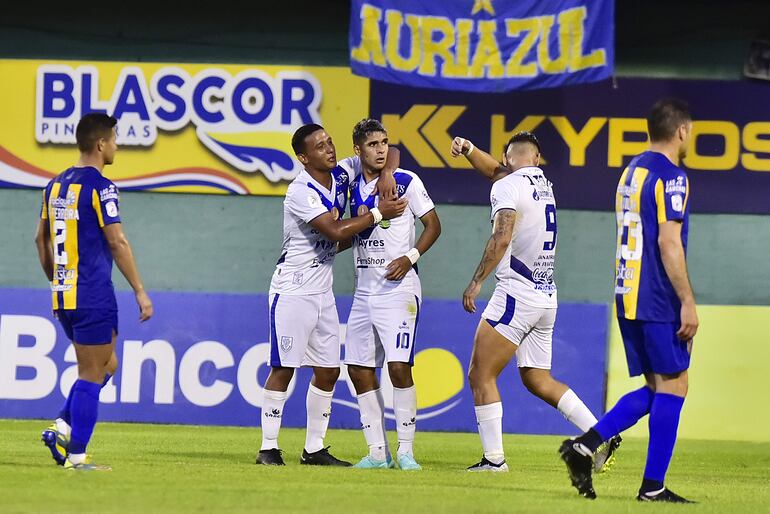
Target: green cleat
x,y
407,463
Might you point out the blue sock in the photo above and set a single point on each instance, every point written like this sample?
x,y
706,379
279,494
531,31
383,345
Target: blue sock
x,y
83,411
664,423
64,413
629,409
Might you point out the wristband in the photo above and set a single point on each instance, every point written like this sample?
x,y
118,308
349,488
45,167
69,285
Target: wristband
x,y
377,215
413,255
469,149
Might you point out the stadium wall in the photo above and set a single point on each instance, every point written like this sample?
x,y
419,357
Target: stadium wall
x,y
230,243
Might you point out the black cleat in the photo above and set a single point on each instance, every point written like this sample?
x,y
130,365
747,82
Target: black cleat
x,y
322,458
579,467
486,465
270,457
663,496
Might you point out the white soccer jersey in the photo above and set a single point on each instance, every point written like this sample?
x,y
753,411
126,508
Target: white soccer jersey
x,y
377,246
526,271
305,265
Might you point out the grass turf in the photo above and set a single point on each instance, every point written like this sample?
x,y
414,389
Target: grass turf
x,y
171,468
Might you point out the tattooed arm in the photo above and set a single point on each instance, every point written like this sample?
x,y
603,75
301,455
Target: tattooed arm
x,y
502,231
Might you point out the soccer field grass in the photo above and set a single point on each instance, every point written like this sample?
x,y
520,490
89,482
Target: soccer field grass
x,y
173,468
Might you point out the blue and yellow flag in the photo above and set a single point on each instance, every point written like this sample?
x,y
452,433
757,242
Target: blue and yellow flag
x,y
482,45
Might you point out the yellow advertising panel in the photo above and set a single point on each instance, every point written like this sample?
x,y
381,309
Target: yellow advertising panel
x,y
728,376
203,128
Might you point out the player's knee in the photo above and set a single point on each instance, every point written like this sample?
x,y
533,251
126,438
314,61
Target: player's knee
x,y
325,378
400,374
279,379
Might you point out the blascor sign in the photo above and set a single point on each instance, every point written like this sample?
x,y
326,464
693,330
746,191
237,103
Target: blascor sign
x,y
183,128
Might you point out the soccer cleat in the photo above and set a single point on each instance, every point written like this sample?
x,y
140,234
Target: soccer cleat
x,y
87,465
604,458
271,457
486,465
56,442
407,463
579,467
663,496
322,458
369,463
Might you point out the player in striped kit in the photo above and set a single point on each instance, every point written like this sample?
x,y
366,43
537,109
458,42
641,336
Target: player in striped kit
x,y
78,236
654,301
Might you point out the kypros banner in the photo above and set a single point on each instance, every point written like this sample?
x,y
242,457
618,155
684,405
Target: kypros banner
x,y
201,128
202,359
482,45
588,133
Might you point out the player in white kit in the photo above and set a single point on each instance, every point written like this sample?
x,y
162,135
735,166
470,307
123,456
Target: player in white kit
x,y
520,316
304,328
386,306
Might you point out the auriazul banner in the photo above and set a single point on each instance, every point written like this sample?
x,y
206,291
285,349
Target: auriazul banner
x,y
482,45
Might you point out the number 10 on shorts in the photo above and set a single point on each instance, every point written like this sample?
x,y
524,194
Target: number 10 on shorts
x,y
402,340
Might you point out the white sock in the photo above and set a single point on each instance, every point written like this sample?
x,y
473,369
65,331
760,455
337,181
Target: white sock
x,y
63,427
319,409
272,412
373,423
405,407
576,412
76,458
490,421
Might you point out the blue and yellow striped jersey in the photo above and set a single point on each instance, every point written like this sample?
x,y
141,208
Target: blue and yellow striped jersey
x,y
651,191
78,203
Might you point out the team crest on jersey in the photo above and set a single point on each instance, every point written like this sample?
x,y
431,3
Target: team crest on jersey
x,y
313,200
286,343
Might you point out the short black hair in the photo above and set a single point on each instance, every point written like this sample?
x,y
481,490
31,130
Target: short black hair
x,y
298,139
665,117
92,127
364,128
523,137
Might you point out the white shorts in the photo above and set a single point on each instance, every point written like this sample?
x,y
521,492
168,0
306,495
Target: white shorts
x,y
531,328
382,329
304,330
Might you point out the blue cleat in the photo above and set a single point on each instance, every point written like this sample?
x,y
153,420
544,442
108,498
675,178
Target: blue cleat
x,y
56,442
369,463
407,463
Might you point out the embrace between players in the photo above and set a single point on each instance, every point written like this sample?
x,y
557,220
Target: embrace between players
x,y
384,202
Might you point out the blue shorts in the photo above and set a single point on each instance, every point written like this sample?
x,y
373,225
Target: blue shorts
x,y
653,347
88,326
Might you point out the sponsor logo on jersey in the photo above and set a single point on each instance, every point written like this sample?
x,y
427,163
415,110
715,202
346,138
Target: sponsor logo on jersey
x,y
369,261
676,185
369,244
108,193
